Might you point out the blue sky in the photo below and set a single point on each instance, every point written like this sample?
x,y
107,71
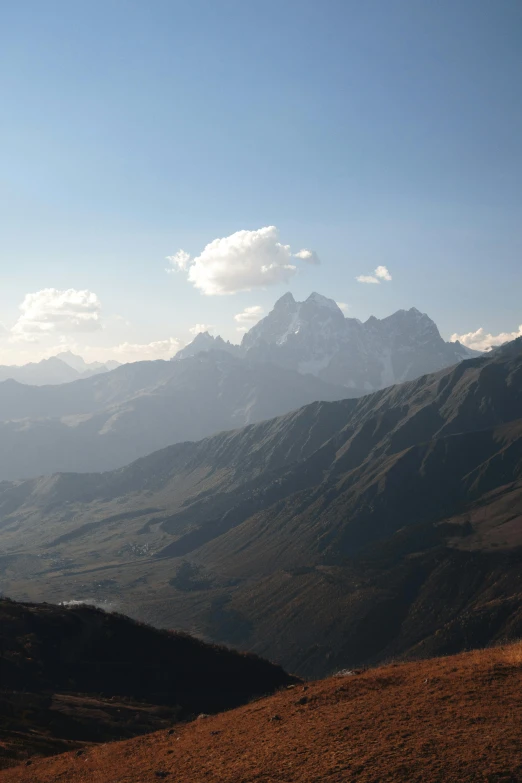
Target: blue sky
x,y
387,132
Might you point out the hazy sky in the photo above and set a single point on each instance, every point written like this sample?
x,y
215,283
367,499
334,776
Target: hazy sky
x,y
383,133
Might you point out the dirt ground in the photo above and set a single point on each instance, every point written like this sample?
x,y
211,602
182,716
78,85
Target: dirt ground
x,y
438,721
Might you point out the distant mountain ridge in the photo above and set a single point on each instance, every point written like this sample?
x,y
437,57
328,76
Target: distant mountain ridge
x,y
315,337
62,368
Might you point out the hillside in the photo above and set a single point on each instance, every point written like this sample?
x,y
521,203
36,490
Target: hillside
x,y
337,535
76,674
453,719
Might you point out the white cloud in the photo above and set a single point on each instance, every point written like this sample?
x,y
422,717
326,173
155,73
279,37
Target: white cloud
x,y
380,273
240,262
51,311
310,256
343,306
198,328
250,315
482,341
135,352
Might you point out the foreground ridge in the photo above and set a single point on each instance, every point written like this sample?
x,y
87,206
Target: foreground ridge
x,y
76,675
447,719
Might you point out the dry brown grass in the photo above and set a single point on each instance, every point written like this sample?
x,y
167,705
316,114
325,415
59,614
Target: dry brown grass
x,y
446,720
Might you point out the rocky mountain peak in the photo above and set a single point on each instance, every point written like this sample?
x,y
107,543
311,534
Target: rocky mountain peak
x,y
204,341
322,301
313,336
286,302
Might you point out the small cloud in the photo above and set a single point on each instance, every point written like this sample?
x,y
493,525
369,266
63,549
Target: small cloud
x,y
482,341
343,306
380,273
310,256
250,315
51,311
198,328
240,262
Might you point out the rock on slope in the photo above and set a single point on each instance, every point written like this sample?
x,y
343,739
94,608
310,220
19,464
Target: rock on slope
x,y
455,720
77,674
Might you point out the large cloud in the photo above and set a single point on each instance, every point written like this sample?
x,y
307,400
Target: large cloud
x,y
53,311
379,274
482,341
241,262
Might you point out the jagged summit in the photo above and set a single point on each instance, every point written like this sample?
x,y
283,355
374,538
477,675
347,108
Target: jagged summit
x,y
315,337
322,301
204,341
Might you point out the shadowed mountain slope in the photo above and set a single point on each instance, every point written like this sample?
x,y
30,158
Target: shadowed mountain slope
x,y
341,533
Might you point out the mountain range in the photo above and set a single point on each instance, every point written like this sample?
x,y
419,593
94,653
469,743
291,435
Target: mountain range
x,y
342,533
315,337
300,353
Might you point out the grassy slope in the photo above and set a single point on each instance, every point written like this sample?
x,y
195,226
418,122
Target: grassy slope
x,y
449,720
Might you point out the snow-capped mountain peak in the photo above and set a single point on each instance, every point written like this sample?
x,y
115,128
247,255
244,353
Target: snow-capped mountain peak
x,y
314,337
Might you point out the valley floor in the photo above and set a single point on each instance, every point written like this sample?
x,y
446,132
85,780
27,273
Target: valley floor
x,y
437,721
